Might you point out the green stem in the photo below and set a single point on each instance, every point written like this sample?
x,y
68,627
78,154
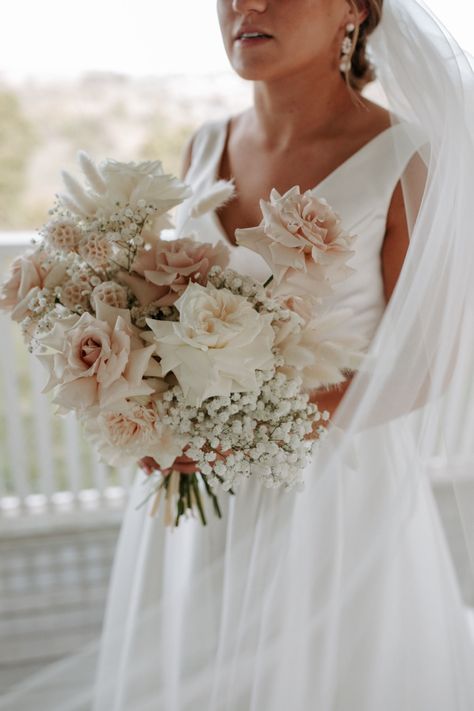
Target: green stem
x,y
188,491
180,504
268,281
199,502
213,497
152,493
221,480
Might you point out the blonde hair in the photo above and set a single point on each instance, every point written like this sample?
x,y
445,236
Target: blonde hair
x,y
362,71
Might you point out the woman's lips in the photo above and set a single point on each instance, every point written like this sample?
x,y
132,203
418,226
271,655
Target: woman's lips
x,y
252,41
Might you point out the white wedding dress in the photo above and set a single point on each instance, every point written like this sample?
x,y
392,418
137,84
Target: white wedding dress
x,y
402,643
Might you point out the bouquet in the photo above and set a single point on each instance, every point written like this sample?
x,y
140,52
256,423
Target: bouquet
x,y
162,350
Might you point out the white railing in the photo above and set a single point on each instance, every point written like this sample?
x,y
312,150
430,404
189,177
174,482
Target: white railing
x,y
45,462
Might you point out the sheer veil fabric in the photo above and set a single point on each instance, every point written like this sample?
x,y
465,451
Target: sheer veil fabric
x,y
272,619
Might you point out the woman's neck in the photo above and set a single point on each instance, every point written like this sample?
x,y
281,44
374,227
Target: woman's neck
x,y
287,113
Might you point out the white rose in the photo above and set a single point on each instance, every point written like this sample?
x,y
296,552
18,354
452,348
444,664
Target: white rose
x,y
217,345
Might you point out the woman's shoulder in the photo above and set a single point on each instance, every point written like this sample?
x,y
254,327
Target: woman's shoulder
x,y
373,120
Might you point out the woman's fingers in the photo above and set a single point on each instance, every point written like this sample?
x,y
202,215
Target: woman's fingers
x,y
148,464
183,463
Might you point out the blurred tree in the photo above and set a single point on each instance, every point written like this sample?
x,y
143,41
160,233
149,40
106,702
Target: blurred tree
x,y
17,140
164,140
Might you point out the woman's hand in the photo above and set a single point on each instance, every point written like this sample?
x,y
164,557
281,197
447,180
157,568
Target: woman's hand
x,y
182,464
327,399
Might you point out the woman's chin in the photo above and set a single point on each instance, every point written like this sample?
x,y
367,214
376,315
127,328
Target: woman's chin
x,y
261,72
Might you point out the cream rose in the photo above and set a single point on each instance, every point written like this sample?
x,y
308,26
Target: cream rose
x,y
29,273
97,360
163,272
301,239
217,345
129,431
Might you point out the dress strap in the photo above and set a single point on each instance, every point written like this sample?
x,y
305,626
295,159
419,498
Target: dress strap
x,y
206,151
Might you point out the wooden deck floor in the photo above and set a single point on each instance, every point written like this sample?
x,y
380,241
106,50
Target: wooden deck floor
x,y
54,576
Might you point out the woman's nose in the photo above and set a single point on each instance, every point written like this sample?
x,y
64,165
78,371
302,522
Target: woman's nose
x,y
246,6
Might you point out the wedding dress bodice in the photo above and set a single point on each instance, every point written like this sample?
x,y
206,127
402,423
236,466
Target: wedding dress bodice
x,y
359,190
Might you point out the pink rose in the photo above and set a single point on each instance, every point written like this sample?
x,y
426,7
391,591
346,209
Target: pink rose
x,y
163,272
131,430
30,272
97,360
302,241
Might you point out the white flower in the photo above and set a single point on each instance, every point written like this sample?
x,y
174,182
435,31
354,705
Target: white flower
x,y
321,349
129,431
217,345
96,360
133,184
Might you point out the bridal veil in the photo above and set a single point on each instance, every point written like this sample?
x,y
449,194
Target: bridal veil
x,y
288,616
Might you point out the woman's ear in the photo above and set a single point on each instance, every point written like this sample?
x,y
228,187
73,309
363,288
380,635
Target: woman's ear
x,y
358,10
363,10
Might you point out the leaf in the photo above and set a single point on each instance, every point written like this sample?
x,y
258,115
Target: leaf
x,y
78,194
71,205
91,172
217,196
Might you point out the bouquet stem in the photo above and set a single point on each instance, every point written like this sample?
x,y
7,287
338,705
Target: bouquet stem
x,y
182,494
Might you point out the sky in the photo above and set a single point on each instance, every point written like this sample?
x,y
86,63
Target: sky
x,y
141,38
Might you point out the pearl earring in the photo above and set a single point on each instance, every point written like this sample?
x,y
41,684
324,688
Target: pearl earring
x,y
346,47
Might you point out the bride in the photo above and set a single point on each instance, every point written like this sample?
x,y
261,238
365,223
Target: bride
x,y
343,596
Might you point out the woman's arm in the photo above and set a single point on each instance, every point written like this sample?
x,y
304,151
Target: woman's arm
x,y
397,235
394,249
